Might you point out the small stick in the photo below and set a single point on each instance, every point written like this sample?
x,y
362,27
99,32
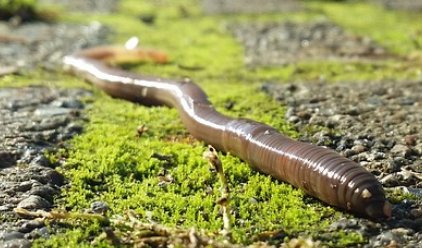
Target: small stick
x,y
212,157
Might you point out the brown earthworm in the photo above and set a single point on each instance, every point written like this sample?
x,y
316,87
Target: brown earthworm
x,y
318,171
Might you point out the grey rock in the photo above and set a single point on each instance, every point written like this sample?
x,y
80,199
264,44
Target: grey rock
x,y
30,225
401,150
44,191
6,236
359,148
34,202
40,160
42,232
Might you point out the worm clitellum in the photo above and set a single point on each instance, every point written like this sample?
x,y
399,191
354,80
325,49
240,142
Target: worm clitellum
x,y
318,171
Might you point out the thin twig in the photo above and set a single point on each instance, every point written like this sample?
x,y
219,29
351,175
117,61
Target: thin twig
x,y
212,157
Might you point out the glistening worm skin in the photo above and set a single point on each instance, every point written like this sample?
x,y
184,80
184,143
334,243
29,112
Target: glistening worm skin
x,y
318,171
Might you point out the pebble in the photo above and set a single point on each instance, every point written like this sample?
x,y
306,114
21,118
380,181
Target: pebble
x,y
359,148
6,236
416,213
41,232
44,191
410,140
99,207
30,225
34,202
400,151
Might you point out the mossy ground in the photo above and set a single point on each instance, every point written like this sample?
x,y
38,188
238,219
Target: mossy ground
x,y
109,163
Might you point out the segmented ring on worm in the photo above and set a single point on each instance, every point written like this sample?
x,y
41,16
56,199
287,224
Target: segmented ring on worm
x,y
318,171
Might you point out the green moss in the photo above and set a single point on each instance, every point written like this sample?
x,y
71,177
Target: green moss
x,y
79,237
16,5
345,239
39,77
397,196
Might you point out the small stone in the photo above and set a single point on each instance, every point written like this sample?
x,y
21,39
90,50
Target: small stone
x,y
54,177
358,148
416,213
48,112
364,156
349,152
67,103
24,186
99,207
42,232
387,237
40,160
400,150
316,120
34,202
28,226
4,208
293,119
73,128
410,140
402,231
44,191
390,180
395,165
304,115
12,235
253,200
378,155
353,111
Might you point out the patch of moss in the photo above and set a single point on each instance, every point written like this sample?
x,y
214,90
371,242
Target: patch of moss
x,y
44,78
397,196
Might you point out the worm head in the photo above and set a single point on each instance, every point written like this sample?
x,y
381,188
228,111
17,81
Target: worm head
x,y
370,201
375,204
379,209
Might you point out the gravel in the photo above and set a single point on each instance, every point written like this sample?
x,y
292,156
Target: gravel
x,y
288,42
249,6
34,120
410,5
31,45
376,124
99,6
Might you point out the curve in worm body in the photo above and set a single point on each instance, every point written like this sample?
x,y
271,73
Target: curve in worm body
x,y
318,171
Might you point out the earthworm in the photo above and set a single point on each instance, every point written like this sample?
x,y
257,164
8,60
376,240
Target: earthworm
x,y
318,171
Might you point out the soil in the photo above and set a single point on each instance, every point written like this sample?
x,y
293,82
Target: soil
x,y
288,42
376,124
